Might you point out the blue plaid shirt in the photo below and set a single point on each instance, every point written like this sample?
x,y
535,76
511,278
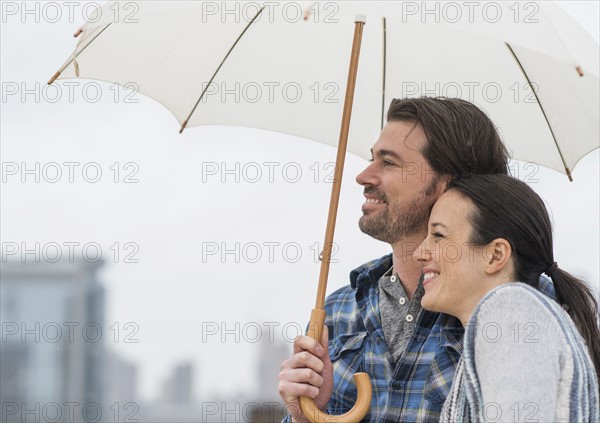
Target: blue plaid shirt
x,y
414,388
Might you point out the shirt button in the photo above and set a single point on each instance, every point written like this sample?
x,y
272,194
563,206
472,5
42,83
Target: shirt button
x,y
409,318
393,278
402,300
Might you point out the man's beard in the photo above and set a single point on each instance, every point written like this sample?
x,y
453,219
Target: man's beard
x,y
399,220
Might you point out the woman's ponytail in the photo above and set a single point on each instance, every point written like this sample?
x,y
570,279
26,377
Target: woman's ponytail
x,y
578,300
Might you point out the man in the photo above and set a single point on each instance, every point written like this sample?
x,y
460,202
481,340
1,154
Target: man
x,y
376,324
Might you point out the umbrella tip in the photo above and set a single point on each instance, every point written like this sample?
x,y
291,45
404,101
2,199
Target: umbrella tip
x,y
78,33
569,174
56,75
183,125
579,70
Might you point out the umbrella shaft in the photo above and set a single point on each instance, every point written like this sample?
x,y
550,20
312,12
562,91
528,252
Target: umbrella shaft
x,y
339,166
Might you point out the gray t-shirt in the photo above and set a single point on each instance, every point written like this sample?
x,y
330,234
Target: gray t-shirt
x,y
398,313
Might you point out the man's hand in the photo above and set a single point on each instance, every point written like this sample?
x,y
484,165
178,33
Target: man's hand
x,y
307,373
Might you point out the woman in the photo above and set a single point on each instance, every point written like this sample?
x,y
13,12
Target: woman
x,y
526,357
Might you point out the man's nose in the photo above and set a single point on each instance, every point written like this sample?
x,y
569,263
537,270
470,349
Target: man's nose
x,y
367,176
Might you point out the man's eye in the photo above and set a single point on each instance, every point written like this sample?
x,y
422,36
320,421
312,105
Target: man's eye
x,y
437,235
388,163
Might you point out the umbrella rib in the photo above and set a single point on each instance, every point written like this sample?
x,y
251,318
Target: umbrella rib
x,y
185,122
75,56
384,72
567,170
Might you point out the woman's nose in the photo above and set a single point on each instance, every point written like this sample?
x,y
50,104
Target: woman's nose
x,y
421,254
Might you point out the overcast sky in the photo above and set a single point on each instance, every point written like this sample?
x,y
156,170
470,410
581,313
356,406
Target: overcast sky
x,y
180,209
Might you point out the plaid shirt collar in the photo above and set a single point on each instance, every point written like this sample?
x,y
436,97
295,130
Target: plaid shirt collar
x,y
369,273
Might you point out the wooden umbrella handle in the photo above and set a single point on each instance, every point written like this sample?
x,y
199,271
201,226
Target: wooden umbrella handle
x,y
317,318
362,381
355,415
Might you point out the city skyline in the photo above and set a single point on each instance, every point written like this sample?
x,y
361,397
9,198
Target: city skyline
x,y
57,363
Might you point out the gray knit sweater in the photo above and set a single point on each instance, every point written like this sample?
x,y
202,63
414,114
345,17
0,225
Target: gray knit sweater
x,y
523,361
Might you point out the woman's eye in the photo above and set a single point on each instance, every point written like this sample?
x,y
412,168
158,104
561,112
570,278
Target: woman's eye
x,y
388,163
437,235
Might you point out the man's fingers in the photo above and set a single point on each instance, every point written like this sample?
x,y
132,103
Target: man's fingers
x,y
304,376
306,343
305,359
290,391
302,367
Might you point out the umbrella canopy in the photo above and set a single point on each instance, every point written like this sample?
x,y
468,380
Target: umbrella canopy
x,y
282,67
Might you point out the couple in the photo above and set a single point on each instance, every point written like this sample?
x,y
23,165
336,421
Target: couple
x,y
458,323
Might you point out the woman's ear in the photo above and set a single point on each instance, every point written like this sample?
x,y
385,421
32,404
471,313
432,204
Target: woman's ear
x,y
498,256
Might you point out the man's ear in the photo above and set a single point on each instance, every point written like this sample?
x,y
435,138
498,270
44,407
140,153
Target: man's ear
x,y
442,184
445,180
498,256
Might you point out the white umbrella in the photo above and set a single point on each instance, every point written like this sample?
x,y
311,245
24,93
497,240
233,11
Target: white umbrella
x,y
172,53
282,66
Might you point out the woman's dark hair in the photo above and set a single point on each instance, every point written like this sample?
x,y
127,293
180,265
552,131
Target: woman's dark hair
x,y
461,138
507,208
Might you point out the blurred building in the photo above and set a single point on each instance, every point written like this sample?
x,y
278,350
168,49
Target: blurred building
x,y
177,389
121,383
52,350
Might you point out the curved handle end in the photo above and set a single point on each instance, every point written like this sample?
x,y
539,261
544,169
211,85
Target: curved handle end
x,y
355,415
